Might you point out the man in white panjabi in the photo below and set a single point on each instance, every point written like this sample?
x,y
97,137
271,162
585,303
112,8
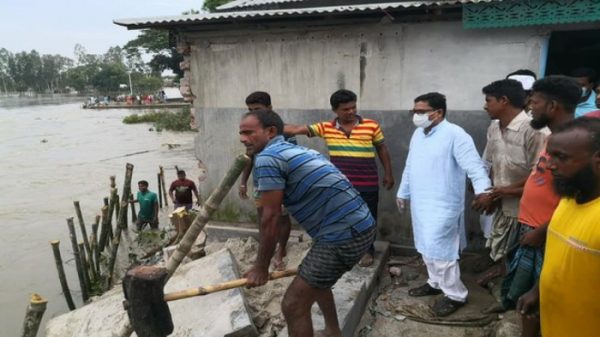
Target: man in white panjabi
x,y
441,155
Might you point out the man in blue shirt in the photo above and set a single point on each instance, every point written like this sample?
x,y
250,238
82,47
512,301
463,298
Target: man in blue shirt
x,y
586,78
323,201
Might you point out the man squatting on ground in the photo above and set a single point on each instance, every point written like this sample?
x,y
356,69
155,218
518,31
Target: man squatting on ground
x,y
261,100
352,142
325,204
148,201
434,181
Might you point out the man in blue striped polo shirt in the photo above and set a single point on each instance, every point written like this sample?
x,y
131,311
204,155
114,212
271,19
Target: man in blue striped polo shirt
x,y
323,201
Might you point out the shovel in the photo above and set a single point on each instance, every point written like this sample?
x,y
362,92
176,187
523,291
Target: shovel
x,y
146,304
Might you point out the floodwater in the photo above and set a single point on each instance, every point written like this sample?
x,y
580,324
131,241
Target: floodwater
x,y
52,153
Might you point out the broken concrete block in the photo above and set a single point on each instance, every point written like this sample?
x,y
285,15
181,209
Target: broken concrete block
x,y
223,313
351,293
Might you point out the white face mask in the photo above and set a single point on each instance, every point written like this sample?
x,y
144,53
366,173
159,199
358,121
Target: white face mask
x,y
422,120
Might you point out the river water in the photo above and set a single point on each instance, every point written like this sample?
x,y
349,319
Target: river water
x,y
53,152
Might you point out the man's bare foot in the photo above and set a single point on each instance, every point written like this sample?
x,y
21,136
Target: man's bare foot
x,y
323,333
490,274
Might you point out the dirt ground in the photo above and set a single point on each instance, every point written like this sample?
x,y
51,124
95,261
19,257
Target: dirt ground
x,y
392,313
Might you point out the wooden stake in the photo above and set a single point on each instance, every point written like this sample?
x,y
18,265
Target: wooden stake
x,y
73,236
33,316
106,201
162,184
160,195
104,230
86,242
114,199
61,274
95,250
118,229
133,213
86,267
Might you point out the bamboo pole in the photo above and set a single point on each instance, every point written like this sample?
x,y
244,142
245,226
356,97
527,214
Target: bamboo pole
x,y
73,236
33,316
162,184
114,197
209,207
133,213
86,267
86,242
61,274
119,227
117,209
95,251
106,201
211,204
104,232
160,195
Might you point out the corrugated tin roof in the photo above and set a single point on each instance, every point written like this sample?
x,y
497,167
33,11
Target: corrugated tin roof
x,y
271,13
248,3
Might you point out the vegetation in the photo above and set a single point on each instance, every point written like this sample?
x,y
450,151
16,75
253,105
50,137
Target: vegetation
x,y
163,120
211,5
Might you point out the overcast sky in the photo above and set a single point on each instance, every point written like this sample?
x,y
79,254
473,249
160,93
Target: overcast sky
x,y
55,26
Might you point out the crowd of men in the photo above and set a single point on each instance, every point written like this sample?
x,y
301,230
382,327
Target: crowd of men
x,y
538,180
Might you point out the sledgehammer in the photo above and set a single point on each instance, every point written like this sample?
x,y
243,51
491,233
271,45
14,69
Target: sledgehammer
x,y
146,304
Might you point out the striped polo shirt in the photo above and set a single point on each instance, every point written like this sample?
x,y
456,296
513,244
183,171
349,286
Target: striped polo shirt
x,y
316,193
353,153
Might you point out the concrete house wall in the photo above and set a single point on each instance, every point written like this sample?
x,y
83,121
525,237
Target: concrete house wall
x,y
387,65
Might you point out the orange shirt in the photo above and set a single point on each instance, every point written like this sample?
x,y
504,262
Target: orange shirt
x,y
539,199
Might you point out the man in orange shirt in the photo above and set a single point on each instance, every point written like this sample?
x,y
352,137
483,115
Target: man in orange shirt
x,y
553,103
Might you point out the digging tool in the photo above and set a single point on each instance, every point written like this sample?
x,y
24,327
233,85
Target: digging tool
x,y
146,304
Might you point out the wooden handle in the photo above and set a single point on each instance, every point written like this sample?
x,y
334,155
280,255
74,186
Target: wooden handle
x,y
200,291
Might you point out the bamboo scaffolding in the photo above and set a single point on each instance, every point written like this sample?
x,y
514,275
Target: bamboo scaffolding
x,y
61,274
86,242
33,316
162,185
73,236
119,227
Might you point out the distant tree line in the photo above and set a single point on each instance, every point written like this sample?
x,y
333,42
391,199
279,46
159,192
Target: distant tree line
x,y
90,73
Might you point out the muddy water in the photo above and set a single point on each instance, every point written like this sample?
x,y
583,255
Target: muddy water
x,y
51,155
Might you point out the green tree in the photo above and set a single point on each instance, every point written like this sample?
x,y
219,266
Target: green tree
x,y
6,81
155,42
107,80
211,5
144,84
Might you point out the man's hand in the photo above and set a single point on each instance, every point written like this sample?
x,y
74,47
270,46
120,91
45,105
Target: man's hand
x,y
257,276
243,192
534,238
528,303
401,203
388,182
483,203
197,202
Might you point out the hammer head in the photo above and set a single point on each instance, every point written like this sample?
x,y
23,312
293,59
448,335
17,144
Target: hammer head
x,y
147,310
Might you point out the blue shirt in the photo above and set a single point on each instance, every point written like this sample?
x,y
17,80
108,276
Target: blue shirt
x,y
316,193
587,106
434,180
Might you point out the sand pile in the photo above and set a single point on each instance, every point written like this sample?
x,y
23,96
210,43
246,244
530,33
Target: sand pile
x,y
265,301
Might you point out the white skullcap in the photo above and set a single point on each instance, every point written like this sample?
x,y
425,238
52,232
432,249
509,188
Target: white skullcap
x,y
526,80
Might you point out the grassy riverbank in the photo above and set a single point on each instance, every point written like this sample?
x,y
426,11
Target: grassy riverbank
x,y
163,120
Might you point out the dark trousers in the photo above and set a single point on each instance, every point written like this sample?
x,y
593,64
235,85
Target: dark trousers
x,y
372,200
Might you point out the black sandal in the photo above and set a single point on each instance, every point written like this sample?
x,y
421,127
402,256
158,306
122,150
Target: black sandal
x,y
446,306
424,290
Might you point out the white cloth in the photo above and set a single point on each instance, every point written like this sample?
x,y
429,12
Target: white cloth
x,y
434,180
445,275
485,221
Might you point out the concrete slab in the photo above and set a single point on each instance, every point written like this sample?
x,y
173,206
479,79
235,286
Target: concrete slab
x,y
222,231
352,292
192,317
